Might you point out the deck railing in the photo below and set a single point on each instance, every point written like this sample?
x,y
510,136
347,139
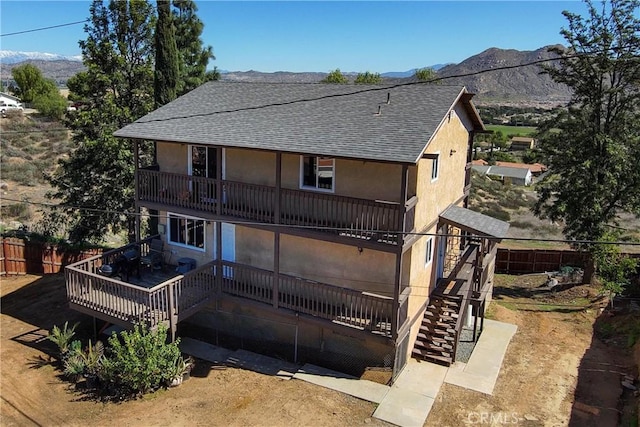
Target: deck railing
x,y
341,305
348,216
179,297
130,303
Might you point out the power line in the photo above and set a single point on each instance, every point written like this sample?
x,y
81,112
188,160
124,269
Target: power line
x,y
357,92
345,94
322,228
44,28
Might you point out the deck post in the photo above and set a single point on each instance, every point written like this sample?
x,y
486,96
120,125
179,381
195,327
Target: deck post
x,y
136,163
276,232
398,273
170,312
218,223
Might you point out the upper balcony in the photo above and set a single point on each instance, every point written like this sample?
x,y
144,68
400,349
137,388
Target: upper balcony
x,y
371,220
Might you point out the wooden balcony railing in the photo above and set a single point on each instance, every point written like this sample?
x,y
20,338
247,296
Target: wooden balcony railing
x,y
347,216
177,298
126,303
341,305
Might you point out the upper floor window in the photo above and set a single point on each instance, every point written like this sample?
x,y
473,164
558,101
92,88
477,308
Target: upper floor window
x,y
203,161
429,251
317,172
435,167
186,231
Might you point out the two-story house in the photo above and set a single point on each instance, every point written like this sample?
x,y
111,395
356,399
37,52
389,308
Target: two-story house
x,y
327,222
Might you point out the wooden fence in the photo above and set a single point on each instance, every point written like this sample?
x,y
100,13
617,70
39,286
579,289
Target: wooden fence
x,y
524,261
19,256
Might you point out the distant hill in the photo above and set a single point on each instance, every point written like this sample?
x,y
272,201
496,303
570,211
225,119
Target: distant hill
x,y
58,70
518,84
277,77
513,86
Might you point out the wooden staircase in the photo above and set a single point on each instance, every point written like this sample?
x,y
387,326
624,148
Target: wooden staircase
x,y
436,341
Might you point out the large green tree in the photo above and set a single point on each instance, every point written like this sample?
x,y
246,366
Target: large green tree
x,y
118,89
592,148
43,93
194,57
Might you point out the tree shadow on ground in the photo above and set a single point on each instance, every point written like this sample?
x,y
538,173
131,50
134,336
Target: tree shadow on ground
x,y
599,399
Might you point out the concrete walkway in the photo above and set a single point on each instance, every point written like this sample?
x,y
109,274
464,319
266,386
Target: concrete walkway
x,y
406,403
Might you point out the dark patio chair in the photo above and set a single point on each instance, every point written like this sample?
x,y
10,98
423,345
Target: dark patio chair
x,y
154,259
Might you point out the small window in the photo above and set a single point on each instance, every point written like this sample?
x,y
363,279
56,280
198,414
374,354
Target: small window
x,y
429,251
435,167
317,172
187,231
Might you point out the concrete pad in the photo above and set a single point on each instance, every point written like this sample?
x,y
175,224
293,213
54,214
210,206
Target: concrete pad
x,y
481,372
362,389
204,351
457,376
421,377
262,364
404,408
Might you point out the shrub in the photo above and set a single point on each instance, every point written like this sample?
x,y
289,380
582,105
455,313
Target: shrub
x,y
62,337
140,360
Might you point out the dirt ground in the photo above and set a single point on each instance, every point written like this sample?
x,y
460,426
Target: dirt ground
x,y
552,362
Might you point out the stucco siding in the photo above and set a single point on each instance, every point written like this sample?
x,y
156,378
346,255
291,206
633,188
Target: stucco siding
x,y
339,265
173,157
251,166
254,247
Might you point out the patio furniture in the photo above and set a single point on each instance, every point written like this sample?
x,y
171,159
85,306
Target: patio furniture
x,y
185,265
153,259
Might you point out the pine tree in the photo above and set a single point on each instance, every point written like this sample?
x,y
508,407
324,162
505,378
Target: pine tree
x,y
166,66
194,57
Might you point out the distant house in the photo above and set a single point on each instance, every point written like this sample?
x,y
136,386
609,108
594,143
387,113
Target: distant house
x,y
535,168
514,175
522,143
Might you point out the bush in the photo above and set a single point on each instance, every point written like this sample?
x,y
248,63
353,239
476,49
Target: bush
x,y
139,361
135,362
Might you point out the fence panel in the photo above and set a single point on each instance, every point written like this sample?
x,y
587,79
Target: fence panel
x,y
14,256
524,261
18,256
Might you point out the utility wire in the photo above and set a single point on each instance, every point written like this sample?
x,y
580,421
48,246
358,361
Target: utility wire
x,y
44,28
322,228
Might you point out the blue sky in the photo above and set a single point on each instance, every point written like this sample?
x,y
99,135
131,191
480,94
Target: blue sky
x,y
298,36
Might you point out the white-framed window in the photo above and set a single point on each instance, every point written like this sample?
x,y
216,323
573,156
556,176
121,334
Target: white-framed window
x,y
186,231
435,167
428,251
317,173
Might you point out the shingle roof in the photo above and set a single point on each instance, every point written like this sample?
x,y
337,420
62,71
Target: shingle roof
x,y
481,224
268,116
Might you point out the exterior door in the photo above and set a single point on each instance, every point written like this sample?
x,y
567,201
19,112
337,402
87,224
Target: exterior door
x,y
228,247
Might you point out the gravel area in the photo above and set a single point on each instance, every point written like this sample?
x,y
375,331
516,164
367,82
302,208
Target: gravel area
x,y
466,344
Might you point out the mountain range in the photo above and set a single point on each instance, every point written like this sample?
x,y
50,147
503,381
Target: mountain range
x,y
521,85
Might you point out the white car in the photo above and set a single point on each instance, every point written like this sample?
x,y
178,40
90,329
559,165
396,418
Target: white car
x,y
9,106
